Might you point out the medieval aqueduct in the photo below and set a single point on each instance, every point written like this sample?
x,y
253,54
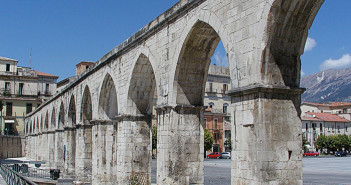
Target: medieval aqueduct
x,y
98,128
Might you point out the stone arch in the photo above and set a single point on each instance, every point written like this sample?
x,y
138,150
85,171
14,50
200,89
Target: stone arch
x,y
61,116
193,63
211,19
108,108
287,24
141,93
72,112
53,119
86,110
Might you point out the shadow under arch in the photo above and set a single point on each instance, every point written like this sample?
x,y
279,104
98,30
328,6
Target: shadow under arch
x,y
108,107
86,109
193,64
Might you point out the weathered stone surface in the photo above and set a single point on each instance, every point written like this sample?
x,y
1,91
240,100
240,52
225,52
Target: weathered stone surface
x,y
168,60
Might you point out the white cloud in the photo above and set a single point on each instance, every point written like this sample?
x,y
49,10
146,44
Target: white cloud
x,y
343,62
310,44
219,59
302,73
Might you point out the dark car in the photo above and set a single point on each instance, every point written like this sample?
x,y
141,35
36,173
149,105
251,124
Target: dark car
x,y
341,153
213,155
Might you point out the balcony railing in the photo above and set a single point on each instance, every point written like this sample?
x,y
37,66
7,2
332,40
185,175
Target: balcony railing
x,y
211,90
23,93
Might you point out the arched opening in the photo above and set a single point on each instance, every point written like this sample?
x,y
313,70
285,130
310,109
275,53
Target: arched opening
x,y
53,120
84,140
61,118
87,112
70,138
194,62
108,99
288,25
142,96
104,134
72,112
60,151
193,92
46,123
51,139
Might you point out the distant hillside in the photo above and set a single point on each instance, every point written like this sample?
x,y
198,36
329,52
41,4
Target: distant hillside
x,y
330,85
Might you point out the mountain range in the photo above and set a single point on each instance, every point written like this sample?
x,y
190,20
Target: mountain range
x,y
333,85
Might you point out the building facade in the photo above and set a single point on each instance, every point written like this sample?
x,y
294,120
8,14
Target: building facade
x,y
21,91
331,118
217,114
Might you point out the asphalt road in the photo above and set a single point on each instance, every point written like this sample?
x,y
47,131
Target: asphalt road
x,y
316,171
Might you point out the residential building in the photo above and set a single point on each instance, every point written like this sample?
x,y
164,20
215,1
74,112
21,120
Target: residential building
x,y
327,107
315,124
22,89
217,114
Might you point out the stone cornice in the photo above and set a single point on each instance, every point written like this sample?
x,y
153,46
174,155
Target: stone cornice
x,y
178,107
253,89
103,122
69,128
138,117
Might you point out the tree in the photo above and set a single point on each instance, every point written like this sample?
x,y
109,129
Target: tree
x,y
228,141
321,142
154,137
304,142
208,139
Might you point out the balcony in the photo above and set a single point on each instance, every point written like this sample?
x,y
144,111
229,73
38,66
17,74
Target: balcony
x,y
211,90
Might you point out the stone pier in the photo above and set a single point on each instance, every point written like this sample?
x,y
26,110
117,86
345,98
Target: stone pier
x,y
180,145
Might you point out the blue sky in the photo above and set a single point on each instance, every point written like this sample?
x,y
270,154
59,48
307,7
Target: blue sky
x,y
62,33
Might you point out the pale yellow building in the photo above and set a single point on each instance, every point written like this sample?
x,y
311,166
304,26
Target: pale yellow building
x,y
21,91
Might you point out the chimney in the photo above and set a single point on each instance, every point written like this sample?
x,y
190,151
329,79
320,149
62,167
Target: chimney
x,y
82,66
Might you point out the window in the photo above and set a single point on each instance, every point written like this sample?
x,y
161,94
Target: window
x,y
216,136
346,128
28,108
321,127
344,110
338,128
210,90
225,88
20,88
8,109
7,86
225,108
306,127
86,67
205,122
211,106
7,67
47,89
215,123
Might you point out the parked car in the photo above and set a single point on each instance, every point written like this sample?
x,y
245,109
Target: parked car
x,y
341,153
213,155
311,154
225,155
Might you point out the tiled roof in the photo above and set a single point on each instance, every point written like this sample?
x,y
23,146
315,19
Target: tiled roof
x,y
4,58
327,117
44,74
310,118
329,104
